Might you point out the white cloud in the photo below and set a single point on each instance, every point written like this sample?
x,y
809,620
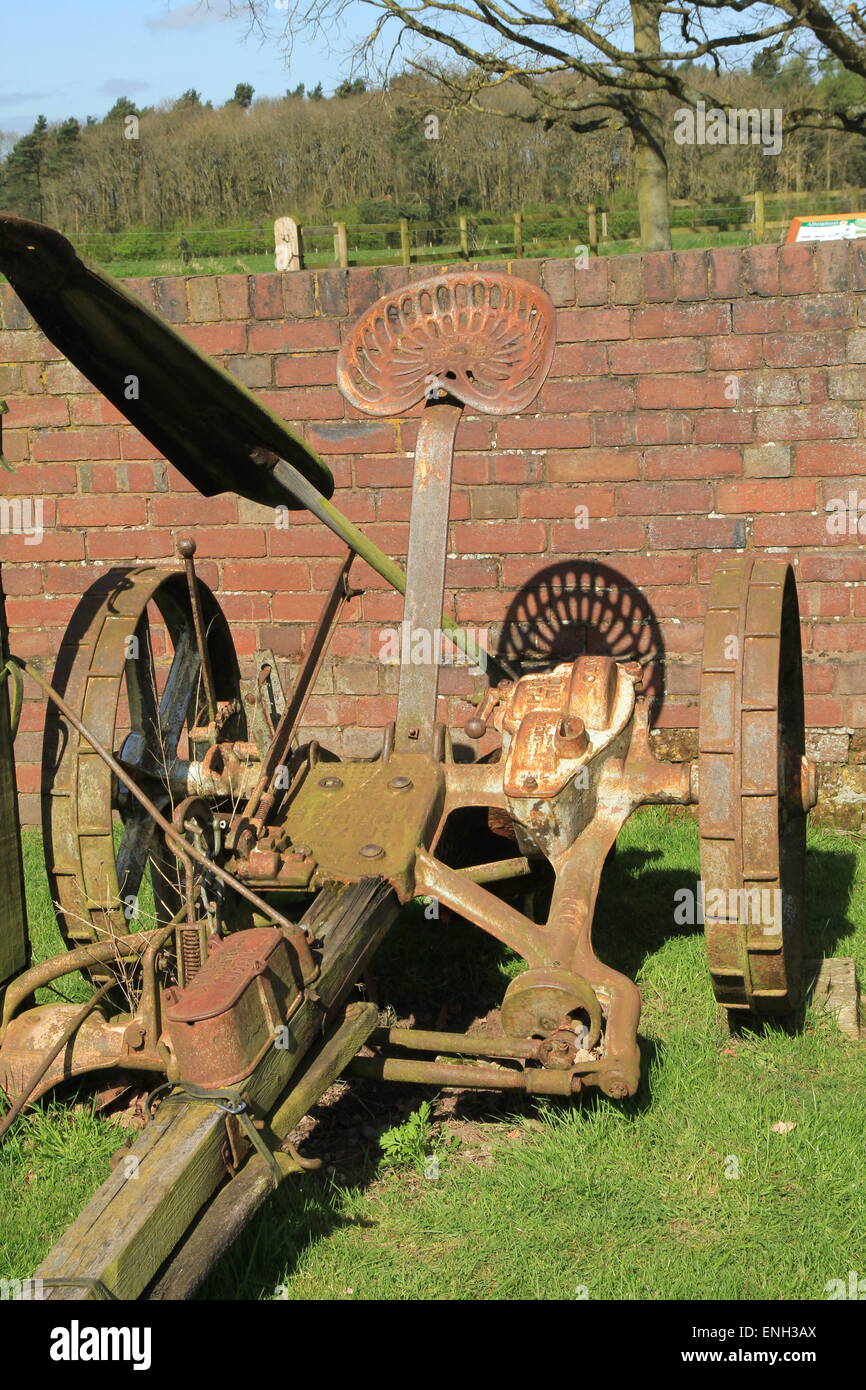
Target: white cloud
x,y
193,16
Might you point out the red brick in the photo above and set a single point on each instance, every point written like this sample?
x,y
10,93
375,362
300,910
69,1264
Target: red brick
x,y
613,430
266,294
832,266
231,540
27,346
673,533
757,316
588,325
782,495
663,427
305,403
134,446
526,432
692,271
735,352
839,637
659,499
313,369
41,612
665,355
217,338
681,320
823,313
234,292
276,576
54,545
592,465
498,537
579,359
762,270
30,479
120,545
63,445
37,410
169,297
795,529
807,422
658,277
120,510
16,445
384,470
363,290
683,392
624,277
796,269
826,459
601,536
724,426
725,273
319,335
561,502
193,510
833,568
515,468
202,299
804,349
558,279
590,282
562,396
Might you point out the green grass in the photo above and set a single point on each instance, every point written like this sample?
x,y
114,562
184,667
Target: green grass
x,y
546,1201
682,237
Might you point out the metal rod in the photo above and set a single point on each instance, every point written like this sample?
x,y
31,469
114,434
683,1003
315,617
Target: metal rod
x,y
422,1040
333,518
498,869
186,550
455,1075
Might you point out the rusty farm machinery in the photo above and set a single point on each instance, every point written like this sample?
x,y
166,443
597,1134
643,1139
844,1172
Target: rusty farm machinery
x,y
275,869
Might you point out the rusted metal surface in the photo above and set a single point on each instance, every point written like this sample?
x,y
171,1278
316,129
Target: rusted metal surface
x,y
485,338
222,1023
755,787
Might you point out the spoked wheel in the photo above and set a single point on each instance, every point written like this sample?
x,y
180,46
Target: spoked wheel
x,y
755,787
134,678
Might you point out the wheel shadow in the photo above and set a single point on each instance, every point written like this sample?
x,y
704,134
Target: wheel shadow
x,y
579,607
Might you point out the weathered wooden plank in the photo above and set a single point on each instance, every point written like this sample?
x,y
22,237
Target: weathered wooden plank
x,y
130,1227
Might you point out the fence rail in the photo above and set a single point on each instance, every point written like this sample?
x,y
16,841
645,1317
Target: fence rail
x,y
482,235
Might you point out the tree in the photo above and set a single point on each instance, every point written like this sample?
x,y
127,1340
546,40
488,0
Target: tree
x,y
21,184
583,67
188,99
351,87
122,108
317,94
298,92
243,96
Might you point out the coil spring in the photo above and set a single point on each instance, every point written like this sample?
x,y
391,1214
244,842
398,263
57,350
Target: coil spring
x,y
190,951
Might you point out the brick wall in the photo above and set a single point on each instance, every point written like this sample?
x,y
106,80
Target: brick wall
x,y
698,403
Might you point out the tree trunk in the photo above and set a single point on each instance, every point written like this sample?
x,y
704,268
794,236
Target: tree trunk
x,y
651,166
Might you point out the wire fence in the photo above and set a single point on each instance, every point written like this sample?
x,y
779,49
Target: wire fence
x,y
483,235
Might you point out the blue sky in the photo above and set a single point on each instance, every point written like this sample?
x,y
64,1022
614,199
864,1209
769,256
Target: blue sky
x,y
75,57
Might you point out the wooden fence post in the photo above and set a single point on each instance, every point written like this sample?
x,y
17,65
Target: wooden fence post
x,y
593,230
341,245
405,248
604,226
518,235
464,238
759,215
288,244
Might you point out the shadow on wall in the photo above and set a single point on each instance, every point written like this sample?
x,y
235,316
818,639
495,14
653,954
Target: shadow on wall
x,y
581,606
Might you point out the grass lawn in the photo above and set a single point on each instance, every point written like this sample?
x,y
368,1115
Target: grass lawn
x,y
683,239
685,1192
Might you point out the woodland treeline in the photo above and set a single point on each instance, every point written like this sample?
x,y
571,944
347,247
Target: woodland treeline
x,y
365,156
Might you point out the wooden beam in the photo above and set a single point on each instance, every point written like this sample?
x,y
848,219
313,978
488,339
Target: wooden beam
x,y
135,1220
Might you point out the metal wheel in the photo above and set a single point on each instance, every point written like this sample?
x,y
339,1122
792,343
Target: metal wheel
x,y
755,787
130,669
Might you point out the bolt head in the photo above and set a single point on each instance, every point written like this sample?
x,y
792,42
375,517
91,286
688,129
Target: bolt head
x,y
371,852
332,783
400,784
186,548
